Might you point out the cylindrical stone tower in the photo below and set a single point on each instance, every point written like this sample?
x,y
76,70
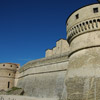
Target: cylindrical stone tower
x,y
8,75
83,35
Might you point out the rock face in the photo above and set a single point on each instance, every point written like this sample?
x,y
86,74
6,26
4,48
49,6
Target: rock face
x,y
83,74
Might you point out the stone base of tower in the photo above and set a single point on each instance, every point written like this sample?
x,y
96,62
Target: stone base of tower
x,y
83,76
83,88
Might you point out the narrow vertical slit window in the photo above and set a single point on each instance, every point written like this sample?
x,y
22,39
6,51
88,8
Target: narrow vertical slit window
x,y
8,85
9,74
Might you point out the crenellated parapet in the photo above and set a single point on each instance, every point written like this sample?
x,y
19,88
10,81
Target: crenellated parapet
x,y
61,47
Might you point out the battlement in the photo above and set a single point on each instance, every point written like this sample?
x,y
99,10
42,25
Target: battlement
x,y
61,47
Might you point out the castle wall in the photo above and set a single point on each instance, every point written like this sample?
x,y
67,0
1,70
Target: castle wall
x,y
61,47
45,77
54,51
49,53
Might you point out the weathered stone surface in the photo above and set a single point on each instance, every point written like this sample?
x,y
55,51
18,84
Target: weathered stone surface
x,y
83,76
12,97
3,92
62,46
45,78
45,61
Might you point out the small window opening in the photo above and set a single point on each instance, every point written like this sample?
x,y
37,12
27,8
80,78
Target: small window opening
x,y
11,66
90,21
8,84
3,64
98,20
77,16
95,10
9,74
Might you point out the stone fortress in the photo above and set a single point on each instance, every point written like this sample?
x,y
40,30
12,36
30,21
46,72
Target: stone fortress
x,y
71,70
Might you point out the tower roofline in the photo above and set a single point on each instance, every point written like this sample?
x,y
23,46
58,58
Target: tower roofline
x,y
11,63
79,9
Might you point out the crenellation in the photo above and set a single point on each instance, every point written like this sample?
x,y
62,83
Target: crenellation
x,y
49,53
54,50
61,47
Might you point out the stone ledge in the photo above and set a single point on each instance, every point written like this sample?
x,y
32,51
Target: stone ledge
x,y
45,61
12,97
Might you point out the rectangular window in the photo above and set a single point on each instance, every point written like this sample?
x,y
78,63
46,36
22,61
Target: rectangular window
x,y
77,16
95,10
8,84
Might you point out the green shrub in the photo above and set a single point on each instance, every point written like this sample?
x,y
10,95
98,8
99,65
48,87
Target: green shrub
x,y
13,89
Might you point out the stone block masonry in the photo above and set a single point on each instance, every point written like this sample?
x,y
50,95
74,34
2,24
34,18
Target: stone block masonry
x,y
44,78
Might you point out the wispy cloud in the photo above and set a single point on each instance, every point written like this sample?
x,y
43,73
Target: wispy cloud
x,y
25,59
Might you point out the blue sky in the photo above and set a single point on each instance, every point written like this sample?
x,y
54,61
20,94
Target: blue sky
x,y
29,27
